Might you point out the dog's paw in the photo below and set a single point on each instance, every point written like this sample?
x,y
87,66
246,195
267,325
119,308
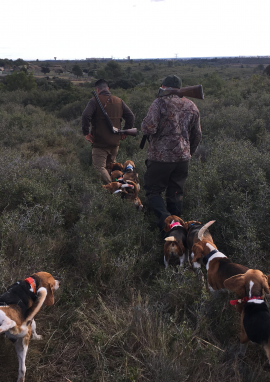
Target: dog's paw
x,y
37,336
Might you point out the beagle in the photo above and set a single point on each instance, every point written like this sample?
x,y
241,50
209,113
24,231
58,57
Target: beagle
x,y
219,267
175,241
18,307
193,228
115,166
129,172
255,317
129,190
117,176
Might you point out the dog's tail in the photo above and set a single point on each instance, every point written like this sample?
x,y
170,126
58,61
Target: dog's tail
x,y
204,228
35,308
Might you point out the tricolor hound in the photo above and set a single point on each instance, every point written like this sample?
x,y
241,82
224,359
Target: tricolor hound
x,y
255,317
175,246
18,307
218,266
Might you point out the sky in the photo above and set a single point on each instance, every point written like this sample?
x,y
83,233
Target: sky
x,y
35,29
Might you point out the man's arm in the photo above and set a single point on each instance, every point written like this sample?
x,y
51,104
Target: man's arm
x,y
195,133
150,122
87,115
128,116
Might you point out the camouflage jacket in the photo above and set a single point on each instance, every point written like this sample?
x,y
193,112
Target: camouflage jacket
x,y
173,126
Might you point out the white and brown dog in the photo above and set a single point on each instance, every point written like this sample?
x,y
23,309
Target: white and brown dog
x,y
130,173
218,266
128,190
255,317
175,241
18,307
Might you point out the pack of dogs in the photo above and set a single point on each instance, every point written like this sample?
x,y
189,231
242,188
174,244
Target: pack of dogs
x,y
125,182
185,242
193,240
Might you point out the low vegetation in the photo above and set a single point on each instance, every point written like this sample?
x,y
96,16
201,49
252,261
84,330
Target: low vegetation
x,y
119,316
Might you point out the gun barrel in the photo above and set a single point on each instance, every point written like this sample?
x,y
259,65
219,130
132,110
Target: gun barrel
x,y
132,132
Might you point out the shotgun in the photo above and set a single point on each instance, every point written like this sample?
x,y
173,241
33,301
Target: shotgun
x,y
195,91
114,130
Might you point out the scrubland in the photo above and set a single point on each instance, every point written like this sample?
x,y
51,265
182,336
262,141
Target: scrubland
x,y
119,316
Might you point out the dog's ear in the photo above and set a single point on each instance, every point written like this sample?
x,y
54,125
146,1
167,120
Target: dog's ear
x,y
197,250
265,284
236,284
47,281
167,223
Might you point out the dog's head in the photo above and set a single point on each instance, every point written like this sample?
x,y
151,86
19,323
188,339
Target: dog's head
x,y
170,220
252,283
129,166
189,224
112,187
201,249
115,175
46,280
115,166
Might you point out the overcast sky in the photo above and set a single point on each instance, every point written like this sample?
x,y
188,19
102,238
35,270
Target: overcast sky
x,y
35,29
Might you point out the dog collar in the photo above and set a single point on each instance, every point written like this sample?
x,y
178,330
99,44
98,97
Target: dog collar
x,y
175,224
244,300
118,179
207,257
129,167
31,282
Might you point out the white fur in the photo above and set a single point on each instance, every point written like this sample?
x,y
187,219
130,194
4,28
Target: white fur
x,y
256,301
195,264
215,256
165,263
5,322
251,283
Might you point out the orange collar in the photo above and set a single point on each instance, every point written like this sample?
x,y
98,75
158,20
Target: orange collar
x,y
32,282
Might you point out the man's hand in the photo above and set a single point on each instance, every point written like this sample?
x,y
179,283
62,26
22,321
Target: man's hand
x,y
123,136
89,138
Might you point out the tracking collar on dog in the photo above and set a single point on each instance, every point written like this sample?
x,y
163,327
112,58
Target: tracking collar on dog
x,y
31,282
129,167
175,224
206,258
245,299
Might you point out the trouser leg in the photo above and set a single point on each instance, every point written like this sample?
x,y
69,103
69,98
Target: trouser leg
x,y
155,182
112,153
99,160
158,206
175,189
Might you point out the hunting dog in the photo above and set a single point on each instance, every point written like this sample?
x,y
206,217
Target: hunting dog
x,y
218,266
255,317
18,307
193,227
129,191
129,172
175,241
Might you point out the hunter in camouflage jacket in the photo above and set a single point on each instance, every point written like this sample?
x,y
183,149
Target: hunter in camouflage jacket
x,y
173,126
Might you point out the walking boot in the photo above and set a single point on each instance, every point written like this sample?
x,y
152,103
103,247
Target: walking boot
x,y
175,205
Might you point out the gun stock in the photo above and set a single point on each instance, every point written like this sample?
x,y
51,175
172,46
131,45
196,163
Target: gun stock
x,y
195,91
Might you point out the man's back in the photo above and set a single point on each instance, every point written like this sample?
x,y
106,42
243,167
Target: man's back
x,y
173,126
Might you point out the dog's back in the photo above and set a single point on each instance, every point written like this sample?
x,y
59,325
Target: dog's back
x,y
257,322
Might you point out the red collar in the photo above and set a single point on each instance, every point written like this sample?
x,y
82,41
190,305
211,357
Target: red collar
x,y
245,299
32,282
174,224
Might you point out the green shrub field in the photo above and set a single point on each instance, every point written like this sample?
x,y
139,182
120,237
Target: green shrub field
x,y
118,315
